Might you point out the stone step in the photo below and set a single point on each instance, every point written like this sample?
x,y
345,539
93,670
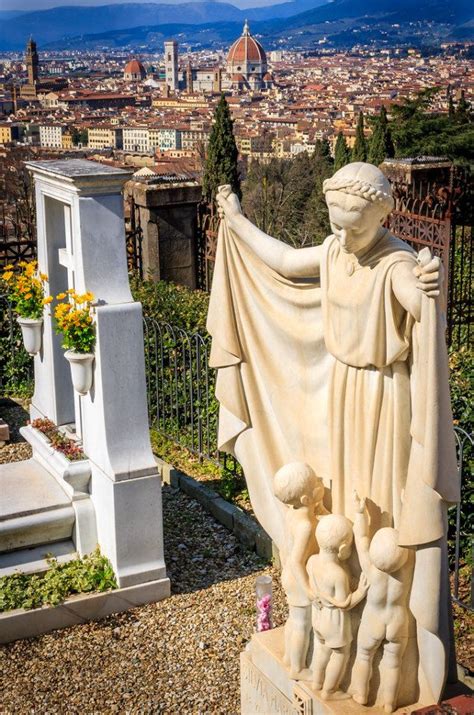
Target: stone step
x,y
34,509
35,559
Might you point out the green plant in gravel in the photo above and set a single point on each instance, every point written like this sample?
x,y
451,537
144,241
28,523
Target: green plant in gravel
x,y
229,485
91,573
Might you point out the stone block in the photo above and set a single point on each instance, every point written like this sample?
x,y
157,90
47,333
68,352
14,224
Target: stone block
x,y
223,512
263,544
169,475
200,492
4,432
79,609
245,528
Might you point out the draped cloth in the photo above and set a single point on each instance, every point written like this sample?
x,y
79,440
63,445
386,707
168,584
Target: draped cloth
x,y
334,372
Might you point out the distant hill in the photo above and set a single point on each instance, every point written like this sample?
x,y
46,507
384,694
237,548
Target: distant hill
x,y
396,11
56,24
302,23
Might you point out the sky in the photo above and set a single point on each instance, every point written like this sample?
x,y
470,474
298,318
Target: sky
x,y
30,5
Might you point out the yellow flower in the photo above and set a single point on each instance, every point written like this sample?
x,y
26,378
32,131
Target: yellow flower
x,y
48,300
43,276
61,296
7,276
28,296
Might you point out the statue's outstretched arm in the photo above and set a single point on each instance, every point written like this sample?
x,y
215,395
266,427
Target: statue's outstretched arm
x,y
284,259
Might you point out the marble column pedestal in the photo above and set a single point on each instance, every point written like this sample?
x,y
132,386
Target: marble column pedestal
x,y
265,686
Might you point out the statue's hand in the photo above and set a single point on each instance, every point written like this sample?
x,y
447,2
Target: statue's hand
x,y
228,203
430,273
359,504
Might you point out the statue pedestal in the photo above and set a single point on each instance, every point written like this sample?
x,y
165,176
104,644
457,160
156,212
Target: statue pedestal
x,y
265,686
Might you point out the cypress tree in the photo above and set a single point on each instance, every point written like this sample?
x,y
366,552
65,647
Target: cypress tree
x,y
463,110
342,153
376,152
450,107
380,144
359,152
221,158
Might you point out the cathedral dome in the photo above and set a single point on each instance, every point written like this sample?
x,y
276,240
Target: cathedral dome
x,y
134,70
246,50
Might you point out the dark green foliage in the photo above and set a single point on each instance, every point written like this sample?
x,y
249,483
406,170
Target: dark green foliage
x,y
171,303
342,153
463,110
284,197
221,159
450,107
418,131
16,366
79,136
380,144
91,573
461,363
359,151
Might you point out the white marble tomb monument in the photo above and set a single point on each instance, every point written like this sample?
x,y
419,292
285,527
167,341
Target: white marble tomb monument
x,y
114,496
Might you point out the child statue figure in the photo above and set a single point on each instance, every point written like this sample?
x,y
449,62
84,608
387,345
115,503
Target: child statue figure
x,y
330,584
297,486
389,569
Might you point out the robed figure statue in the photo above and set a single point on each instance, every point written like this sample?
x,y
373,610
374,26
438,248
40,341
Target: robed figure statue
x,y
335,355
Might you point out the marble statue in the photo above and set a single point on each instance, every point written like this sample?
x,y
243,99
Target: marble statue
x,y
333,599
297,486
335,355
388,568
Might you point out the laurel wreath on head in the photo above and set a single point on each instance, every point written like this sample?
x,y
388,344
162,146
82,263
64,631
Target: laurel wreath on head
x,y
356,187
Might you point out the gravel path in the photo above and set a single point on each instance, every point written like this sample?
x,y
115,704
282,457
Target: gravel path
x,y
15,415
177,656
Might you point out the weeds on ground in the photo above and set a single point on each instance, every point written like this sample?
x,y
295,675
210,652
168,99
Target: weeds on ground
x,y
90,573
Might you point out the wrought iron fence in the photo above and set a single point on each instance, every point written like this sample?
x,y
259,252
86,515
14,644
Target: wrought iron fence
x,y
180,386
461,523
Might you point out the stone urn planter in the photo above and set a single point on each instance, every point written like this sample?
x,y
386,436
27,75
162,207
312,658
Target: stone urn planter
x,y
81,370
31,330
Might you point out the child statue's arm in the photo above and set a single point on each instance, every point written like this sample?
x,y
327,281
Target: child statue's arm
x,y
297,559
361,534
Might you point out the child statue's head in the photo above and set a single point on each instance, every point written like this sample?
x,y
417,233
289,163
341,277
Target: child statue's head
x,y
384,551
296,484
334,533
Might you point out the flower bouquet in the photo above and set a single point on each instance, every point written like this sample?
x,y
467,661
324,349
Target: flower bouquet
x,y
26,290
74,321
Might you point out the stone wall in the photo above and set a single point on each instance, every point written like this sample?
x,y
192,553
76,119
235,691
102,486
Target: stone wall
x,y
168,217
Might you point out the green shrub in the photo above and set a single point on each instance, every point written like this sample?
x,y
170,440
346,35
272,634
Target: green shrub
x,y
91,573
171,303
16,366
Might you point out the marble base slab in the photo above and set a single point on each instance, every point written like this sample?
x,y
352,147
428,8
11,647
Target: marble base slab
x,y
266,687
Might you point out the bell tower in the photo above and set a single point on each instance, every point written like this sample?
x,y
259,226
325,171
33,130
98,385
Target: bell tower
x,y
32,62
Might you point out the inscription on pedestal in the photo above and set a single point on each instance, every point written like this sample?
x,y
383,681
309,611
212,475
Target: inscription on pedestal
x,y
258,694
